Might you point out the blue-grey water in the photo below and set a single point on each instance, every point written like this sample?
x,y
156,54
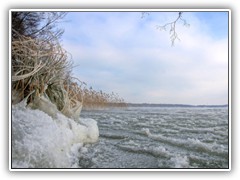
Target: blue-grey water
x,y
145,137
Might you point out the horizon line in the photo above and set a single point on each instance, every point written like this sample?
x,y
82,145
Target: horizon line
x,y
178,104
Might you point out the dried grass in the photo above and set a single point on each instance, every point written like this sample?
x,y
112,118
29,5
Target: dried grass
x,y
43,67
41,72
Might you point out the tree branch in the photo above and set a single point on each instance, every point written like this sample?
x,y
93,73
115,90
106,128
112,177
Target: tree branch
x,y
172,25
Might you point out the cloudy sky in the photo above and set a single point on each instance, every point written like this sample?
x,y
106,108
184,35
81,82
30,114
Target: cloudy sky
x,y
127,54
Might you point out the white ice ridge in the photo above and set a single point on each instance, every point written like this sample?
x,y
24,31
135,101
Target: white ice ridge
x,y
41,141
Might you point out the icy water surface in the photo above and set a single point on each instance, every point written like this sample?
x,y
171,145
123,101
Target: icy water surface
x,y
158,138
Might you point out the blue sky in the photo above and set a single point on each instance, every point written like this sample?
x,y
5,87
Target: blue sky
x,y
126,54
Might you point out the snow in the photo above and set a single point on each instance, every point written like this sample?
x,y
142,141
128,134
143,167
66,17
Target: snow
x,y
43,141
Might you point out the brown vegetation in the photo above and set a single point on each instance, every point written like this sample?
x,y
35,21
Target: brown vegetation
x,y
42,69
99,99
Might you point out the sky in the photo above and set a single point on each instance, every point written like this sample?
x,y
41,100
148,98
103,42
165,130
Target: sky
x,y
123,53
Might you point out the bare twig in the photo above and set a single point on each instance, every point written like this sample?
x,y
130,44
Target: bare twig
x,y
172,25
144,14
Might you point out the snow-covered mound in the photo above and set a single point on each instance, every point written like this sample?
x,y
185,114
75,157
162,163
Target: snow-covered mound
x,y
41,141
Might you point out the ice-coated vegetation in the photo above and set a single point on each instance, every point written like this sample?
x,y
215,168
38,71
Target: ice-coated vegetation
x,y
42,141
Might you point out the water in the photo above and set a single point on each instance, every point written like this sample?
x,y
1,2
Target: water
x,y
138,137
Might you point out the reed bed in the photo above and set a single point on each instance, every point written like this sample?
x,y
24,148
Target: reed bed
x,y
41,70
98,99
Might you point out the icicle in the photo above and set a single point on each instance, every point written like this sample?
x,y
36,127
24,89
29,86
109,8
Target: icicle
x,y
45,105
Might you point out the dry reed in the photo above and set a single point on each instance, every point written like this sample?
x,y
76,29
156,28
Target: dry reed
x,y
42,68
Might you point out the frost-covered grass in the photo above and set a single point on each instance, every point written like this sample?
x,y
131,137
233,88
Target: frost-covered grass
x,y
41,69
41,141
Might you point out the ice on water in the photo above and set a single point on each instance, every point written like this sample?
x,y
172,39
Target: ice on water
x,y
161,138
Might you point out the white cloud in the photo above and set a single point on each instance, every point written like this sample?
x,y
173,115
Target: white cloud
x,y
125,54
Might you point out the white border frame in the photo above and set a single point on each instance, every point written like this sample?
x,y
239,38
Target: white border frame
x,y
128,10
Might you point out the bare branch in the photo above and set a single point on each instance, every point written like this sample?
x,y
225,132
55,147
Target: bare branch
x,y
144,14
172,25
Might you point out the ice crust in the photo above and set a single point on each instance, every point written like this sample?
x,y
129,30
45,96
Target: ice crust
x,y
42,141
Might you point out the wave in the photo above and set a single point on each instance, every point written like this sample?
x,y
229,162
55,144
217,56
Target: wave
x,y
189,143
133,146
113,136
164,156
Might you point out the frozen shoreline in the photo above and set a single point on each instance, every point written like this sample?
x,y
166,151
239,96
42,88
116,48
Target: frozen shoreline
x,y
40,141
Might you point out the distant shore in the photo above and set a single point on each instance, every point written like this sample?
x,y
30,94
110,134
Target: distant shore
x,y
171,105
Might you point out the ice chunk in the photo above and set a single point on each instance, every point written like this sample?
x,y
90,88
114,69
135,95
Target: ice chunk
x,y
180,161
41,141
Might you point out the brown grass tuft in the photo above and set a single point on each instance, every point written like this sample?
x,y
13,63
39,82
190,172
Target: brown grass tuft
x,y
42,68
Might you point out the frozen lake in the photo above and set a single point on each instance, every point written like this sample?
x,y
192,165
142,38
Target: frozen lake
x,y
145,137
